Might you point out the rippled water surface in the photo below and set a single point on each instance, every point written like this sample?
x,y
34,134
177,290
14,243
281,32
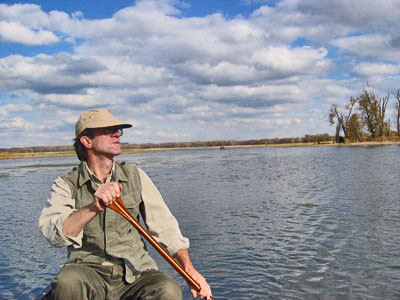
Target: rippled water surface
x,y
264,223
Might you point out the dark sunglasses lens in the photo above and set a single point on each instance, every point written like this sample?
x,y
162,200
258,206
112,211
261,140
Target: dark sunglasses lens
x,y
113,130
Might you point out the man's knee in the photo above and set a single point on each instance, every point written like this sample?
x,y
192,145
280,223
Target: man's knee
x,y
170,289
67,278
156,286
76,282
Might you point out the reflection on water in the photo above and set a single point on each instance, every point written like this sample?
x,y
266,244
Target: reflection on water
x,y
264,223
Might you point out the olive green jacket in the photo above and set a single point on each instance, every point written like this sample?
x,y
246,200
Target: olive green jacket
x,y
109,238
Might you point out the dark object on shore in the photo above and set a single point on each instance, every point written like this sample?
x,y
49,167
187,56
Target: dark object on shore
x,y
222,148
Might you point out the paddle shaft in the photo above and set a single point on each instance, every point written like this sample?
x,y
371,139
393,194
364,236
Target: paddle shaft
x,y
120,208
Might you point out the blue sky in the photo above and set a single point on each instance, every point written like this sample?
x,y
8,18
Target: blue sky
x,y
190,70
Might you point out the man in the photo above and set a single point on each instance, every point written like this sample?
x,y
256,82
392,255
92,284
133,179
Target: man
x,y
107,258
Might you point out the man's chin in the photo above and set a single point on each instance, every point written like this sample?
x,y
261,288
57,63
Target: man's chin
x,y
117,151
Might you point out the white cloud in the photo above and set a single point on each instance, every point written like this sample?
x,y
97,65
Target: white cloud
x,y
16,33
323,20
30,15
46,74
245,96
14,123
283,122
374,69
377,46
286,61
9,109
170,136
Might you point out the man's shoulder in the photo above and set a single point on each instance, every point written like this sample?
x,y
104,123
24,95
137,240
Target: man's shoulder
x,y
72,172
127,169
125,165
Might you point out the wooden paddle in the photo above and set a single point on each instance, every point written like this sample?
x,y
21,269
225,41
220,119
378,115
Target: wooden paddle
x,y
120,208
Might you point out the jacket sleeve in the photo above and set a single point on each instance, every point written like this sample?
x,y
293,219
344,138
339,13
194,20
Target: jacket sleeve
x,y
59,206
160,222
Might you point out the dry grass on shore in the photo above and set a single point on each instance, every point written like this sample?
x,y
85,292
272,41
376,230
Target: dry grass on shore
x,y
14,155
18,155
347,144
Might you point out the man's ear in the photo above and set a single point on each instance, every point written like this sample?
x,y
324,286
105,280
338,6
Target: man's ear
x,y
86,141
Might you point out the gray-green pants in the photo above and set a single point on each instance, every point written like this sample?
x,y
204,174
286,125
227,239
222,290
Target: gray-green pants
x,y
77,281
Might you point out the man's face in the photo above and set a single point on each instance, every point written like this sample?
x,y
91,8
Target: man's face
x,y
107,141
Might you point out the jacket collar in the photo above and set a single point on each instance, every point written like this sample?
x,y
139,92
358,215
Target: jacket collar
x,y
85,174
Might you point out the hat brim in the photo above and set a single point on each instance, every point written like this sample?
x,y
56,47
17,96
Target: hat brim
x,y
110,124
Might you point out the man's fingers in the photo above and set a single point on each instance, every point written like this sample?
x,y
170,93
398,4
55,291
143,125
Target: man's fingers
x,y
108,192
114,188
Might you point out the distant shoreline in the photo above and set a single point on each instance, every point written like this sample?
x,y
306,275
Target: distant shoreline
x,y
383,143
17,155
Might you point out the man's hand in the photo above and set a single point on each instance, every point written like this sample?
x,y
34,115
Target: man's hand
x,y
205,289
105,195
184,260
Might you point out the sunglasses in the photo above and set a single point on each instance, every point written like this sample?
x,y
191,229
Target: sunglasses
x,y
113,130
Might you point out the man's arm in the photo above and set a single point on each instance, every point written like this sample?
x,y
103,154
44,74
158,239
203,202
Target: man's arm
x,y
159,220
182,256
61,223
104,196
168,233
60,206
76,221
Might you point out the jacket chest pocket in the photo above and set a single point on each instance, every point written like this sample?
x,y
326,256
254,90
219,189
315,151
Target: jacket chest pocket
x,y
132,201
119,224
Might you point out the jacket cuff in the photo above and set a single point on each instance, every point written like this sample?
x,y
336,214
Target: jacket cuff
x,y
182,243
66,240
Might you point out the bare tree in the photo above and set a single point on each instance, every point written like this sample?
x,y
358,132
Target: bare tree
x,y
384,127
336,117
345,123
397,112
349,120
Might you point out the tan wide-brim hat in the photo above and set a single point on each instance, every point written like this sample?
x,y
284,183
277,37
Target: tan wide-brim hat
x,y
97,118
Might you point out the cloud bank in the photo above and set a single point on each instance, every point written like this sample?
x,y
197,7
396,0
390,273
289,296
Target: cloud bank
x,y
273,73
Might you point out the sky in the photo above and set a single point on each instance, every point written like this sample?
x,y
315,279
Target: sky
x,y
191,70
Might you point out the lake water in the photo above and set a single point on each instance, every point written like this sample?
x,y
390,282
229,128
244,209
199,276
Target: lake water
x,y
264,223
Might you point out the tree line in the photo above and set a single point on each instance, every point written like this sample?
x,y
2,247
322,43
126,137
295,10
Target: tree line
x,y
308,138
365,117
